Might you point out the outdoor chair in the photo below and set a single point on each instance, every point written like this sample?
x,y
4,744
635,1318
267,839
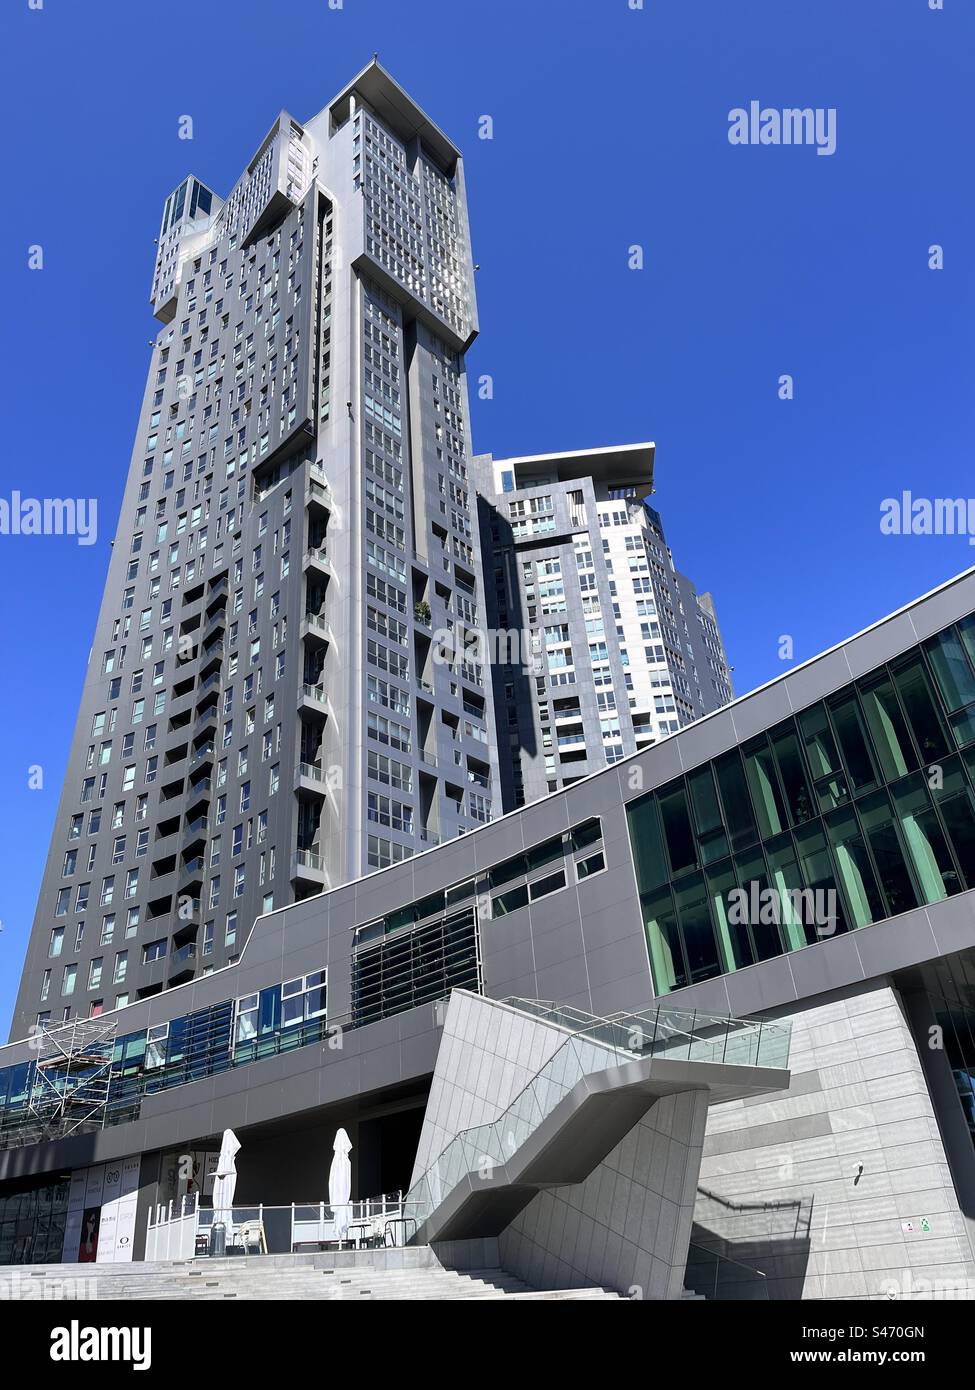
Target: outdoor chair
x,y
250,1234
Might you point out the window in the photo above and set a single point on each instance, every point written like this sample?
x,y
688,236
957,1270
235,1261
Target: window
x,y
303,998
594,864
156,1040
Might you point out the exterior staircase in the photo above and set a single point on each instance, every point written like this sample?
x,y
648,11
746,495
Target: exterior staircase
x,y
602,1077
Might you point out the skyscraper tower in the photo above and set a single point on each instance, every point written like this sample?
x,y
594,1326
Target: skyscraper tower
x,y
618,648
263,715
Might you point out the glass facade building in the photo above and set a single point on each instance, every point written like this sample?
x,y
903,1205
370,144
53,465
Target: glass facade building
x,y
865,797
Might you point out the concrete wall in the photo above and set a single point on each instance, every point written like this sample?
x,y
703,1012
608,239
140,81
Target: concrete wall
x,y
488,1053
782,1186
627,1226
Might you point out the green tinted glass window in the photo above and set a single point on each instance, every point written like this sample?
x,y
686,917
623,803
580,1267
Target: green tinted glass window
x,y
792,774
817,868
951,669
763,783
852,739
889,853
824,759
663,942
888,728
797,915
731,926
647,844
735,801
966,631
958,815
677,828
963,726
762,919
711,838
856,874
926,845
922,714
695,921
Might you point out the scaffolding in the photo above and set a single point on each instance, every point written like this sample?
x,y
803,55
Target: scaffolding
x,y
72,1075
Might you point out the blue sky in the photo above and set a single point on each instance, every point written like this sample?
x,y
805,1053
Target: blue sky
x,y
610,129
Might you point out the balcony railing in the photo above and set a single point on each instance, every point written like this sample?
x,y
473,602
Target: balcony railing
x,y
308,859
318,492
317,620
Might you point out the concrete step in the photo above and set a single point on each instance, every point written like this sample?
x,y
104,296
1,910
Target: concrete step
x,y
414,1274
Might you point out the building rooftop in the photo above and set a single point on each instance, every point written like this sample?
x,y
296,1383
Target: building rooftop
x,y
626,464
383,94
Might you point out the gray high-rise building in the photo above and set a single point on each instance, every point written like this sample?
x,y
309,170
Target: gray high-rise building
x,y
263,716
617,648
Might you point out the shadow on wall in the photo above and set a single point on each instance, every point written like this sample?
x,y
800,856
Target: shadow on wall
x,y
748,1250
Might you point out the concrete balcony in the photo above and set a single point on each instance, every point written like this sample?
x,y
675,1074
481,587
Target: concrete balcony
x,y
318,496
316,559
191,873
308,868
315,627
311,777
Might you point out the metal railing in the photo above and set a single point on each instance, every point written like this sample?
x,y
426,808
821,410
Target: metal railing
x,y
180,1229
722,1278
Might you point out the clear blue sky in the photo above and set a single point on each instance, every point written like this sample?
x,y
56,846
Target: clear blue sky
x,y
610,129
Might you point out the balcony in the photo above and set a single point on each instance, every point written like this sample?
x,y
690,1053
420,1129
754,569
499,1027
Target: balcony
x,y
572,739
217,623
315,626
311,777
202,755
307,867
316,558
318,496
313,697
209,716
199,792
192,872
182,965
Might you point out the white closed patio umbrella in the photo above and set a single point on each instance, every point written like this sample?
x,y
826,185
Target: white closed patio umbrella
x,y
225,1180
340,1183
